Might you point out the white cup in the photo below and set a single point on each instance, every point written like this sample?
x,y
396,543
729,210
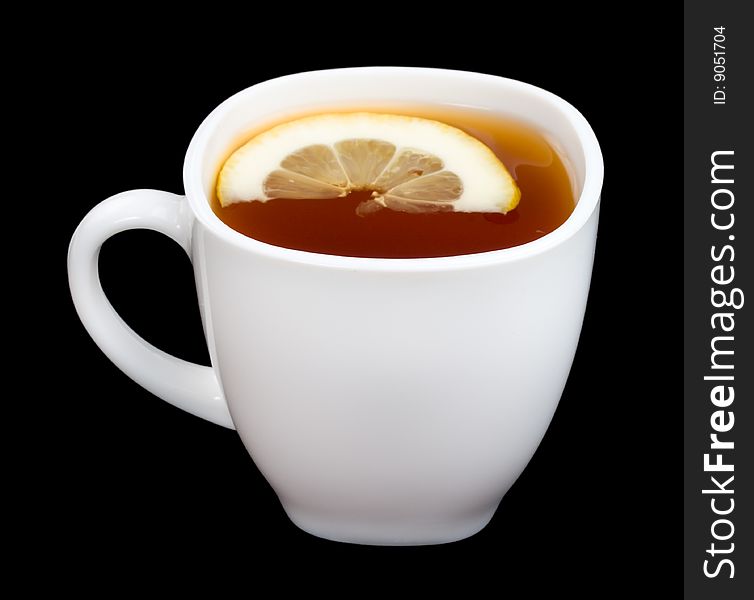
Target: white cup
x,y
387,401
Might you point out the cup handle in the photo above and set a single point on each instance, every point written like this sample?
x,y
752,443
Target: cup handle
x,y
189,386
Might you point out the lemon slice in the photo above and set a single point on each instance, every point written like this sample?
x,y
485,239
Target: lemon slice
x,y
409,164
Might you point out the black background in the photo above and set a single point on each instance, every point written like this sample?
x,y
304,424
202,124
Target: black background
x,y
139,485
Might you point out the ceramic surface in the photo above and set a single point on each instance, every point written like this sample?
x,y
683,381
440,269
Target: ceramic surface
x,y
387,401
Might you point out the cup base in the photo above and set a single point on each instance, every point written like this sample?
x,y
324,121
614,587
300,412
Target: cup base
x,y
416,531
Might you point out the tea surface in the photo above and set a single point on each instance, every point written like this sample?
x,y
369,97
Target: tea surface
x,y
332,226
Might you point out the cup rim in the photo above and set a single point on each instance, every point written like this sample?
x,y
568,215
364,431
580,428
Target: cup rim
x,y
585,207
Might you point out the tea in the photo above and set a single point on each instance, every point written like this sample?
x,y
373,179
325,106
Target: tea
x,y
335,226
